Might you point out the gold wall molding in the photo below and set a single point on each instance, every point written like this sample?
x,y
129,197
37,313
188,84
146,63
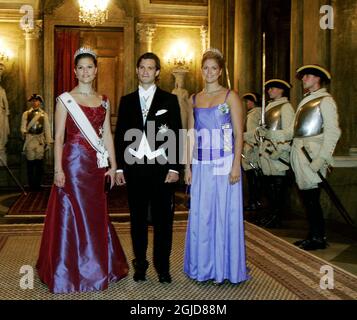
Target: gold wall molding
x,y
147,7
49,6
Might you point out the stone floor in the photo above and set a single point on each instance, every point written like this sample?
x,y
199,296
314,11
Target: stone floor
x,y
342,238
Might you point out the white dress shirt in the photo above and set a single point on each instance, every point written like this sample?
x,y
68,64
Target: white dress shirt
x,y
147,96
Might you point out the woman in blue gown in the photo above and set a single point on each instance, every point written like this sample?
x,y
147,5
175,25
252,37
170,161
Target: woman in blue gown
x,y
215,247
80,250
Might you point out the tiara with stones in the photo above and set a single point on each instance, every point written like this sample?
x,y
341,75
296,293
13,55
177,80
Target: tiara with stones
x,y
85,50
214,50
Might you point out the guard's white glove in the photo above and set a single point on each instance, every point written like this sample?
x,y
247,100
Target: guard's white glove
x,y
261,131
317,164
249,138
275,155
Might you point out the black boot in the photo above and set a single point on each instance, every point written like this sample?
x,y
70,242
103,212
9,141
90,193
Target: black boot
x,y
272,221
140,268
253,191
276,196
38,174
31,164
316,238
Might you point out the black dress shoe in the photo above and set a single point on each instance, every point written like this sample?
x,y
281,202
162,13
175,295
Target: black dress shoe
x,y
165,277
139,276
140,268
300,242
264,219
253,206
272,222
314,244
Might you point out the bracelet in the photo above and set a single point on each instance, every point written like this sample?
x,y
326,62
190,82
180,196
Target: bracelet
x,y
57,172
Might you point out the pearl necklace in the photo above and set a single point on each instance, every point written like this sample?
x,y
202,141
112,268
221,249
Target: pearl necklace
x,y
87,94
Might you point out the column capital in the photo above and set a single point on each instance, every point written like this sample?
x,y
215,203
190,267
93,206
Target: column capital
x,y
145,31
35,32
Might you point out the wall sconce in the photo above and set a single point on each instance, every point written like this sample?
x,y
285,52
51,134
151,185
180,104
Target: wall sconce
x,y
5,53
179,55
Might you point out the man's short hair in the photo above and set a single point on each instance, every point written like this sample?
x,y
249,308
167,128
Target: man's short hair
x,y
150,55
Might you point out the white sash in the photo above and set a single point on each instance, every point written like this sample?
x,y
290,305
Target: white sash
x,y
34,120
82,122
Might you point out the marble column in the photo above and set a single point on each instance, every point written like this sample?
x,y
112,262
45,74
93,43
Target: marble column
x,y
221,33
216,16
32,74
204,38
316,47
296,50
332,47
145,32
248,47
310,44
343,69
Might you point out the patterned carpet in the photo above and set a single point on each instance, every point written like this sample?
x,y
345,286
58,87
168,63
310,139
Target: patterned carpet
x,y
278,271
33,205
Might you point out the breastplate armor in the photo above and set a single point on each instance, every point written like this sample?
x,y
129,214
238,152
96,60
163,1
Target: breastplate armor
x,y
37,128
308,120
273,118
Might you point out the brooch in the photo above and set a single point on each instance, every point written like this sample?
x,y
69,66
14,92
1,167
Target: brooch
x,y
105,104
224,108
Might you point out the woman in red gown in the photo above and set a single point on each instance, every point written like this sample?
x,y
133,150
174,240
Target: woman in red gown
x,y
80,250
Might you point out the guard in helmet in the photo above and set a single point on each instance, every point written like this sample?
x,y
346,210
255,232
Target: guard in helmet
x,y
279,116
35,129
251,150
316,128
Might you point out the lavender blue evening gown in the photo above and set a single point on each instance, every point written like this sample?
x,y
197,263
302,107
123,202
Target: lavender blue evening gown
x,y
215,248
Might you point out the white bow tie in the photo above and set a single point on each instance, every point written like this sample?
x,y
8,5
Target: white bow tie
x,y
146,94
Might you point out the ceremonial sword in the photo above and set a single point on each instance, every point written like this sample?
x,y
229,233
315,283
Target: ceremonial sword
x,y
333,197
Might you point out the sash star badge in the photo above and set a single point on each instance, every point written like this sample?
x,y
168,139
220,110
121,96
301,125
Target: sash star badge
x,y
163,128
101,131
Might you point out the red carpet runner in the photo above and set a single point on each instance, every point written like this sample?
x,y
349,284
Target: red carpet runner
x,y
35,203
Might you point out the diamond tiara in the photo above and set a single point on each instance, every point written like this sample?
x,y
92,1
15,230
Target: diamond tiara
x,y
214,50
85,50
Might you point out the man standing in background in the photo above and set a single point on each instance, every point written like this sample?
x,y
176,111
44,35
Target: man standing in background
x,y
36,131
316,129
4,120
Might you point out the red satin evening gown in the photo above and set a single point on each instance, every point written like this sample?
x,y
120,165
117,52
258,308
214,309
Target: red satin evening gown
x,y
80,250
